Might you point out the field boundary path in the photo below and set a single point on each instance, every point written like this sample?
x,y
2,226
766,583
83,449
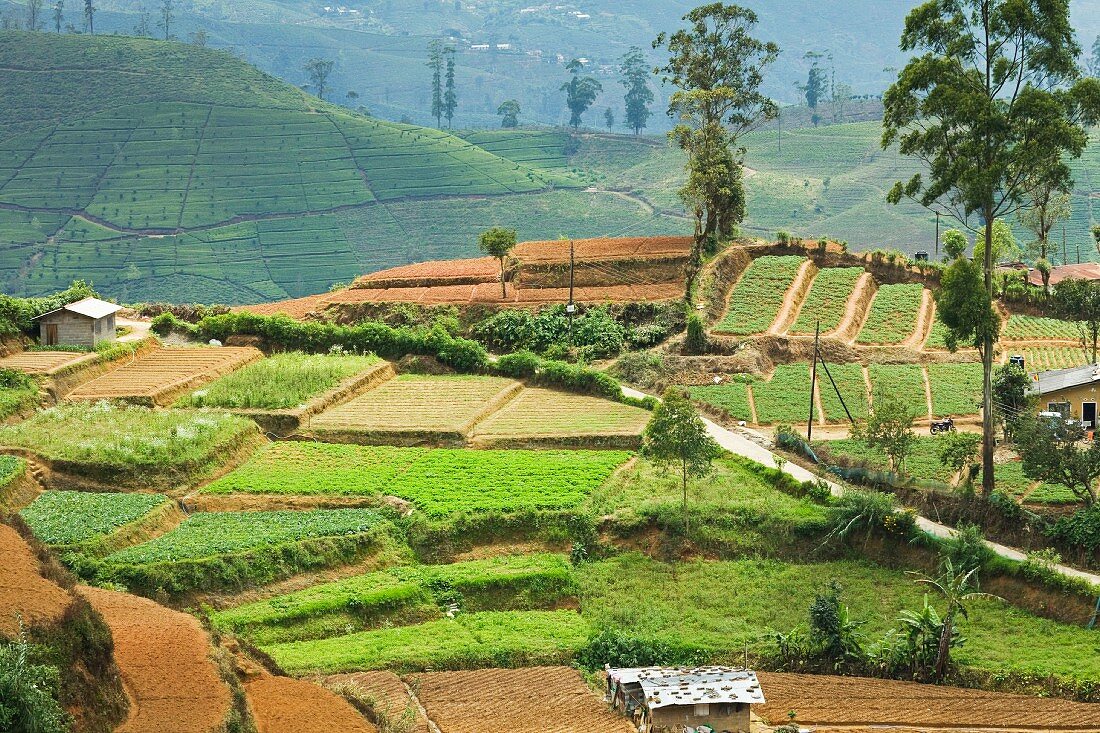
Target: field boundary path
x,y
741,445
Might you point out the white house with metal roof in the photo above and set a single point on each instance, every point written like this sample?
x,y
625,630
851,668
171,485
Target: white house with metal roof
x,y
676,699
86,323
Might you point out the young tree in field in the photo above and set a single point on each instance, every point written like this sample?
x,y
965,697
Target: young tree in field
x,y
1079,301
1010,388
199,38
89,17
319,70
954,244
966,308
1047,204
676,437
717,67
635,78
957,587
509,113
435,63
34,15
142,28
816,87
450,96
167,15
1051,451
888,429
498,242
991,96
958,451
609,119
58,15
580,92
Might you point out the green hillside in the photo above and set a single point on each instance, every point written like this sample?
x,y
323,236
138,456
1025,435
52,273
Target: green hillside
x,y
164,171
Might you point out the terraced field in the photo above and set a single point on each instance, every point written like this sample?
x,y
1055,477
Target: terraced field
x,y
1046,358
785,398
413,407
902,381
853,389
74,519
755,301
956,389
733,397
892,317
1030,328
157,377
545,413
827,299
41,362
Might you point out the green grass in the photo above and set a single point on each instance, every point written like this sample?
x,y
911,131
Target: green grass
x,y
503,638
11,467
439,482
136,444
18,399
922,463
723,606
279,382
64,518
956,389
893,315
512,582
1025,328
757,297
827,299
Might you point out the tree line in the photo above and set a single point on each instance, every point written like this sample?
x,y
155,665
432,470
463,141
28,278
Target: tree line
x,y
35,19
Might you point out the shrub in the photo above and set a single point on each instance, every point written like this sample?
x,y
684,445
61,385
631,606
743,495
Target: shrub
x,y
1081,529
622,649
967,549
28,693
695,342
167,323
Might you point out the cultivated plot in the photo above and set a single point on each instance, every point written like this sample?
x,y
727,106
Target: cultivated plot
x,y
546,414
42,362
755,301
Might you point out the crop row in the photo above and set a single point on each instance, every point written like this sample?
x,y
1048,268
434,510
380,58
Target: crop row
x,y
1024,328
755,301
66,518
505,583
441,482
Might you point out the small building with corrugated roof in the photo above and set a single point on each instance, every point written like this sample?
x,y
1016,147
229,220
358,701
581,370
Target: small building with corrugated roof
x,y
1073,392
676,699
86,323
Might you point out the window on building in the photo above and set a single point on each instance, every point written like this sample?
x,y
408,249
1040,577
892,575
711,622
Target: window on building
x,y
1061,408
702,709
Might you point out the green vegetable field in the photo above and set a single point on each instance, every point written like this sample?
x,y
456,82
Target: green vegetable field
x,y
893,315
956,389
1024,328
279,382
785,398
901,381
755,301
733,397
827,299
78,517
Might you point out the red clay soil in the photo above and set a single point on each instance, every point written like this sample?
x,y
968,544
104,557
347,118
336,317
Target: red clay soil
x,y
603,248
478,269
164,657
844,703
285,705
490,293
24,594
296,308
388,696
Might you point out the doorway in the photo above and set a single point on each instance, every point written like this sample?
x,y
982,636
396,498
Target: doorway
x,y
51,334
1088,414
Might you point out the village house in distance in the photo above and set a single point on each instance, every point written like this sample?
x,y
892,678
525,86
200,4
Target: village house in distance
x,y
89,322
685,699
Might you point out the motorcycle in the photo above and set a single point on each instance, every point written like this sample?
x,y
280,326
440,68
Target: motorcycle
x,y
943,426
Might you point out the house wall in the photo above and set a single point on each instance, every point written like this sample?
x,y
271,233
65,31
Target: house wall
x,y
722,718
1075,396
77,330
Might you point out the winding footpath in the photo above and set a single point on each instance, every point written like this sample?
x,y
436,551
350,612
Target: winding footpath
x,y
740,445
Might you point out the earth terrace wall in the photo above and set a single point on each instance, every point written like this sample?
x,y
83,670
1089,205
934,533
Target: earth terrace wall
x,y
65,379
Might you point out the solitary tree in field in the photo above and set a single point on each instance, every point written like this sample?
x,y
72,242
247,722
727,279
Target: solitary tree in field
x,y
450,96
954,244
958,588
509,113
717,67
498,242
635,77
1052,452
319,70
888,429
992,96
141,28
609,119
676,437
89,17
167,15
580,92
435,63
58,15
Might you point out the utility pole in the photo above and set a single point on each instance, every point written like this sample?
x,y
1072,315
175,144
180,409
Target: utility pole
x,y
1065,255
571,308
813,382
937,235
780,118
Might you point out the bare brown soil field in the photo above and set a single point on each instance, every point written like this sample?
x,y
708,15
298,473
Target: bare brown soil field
x,y
603,248
489,292
159,376
843,703
542,413
24,594
42,362
387,695
532,700
285,705
295,308
434,272
164,657
419,404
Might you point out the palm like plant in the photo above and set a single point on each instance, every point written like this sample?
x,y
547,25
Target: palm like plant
x,y
958,588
